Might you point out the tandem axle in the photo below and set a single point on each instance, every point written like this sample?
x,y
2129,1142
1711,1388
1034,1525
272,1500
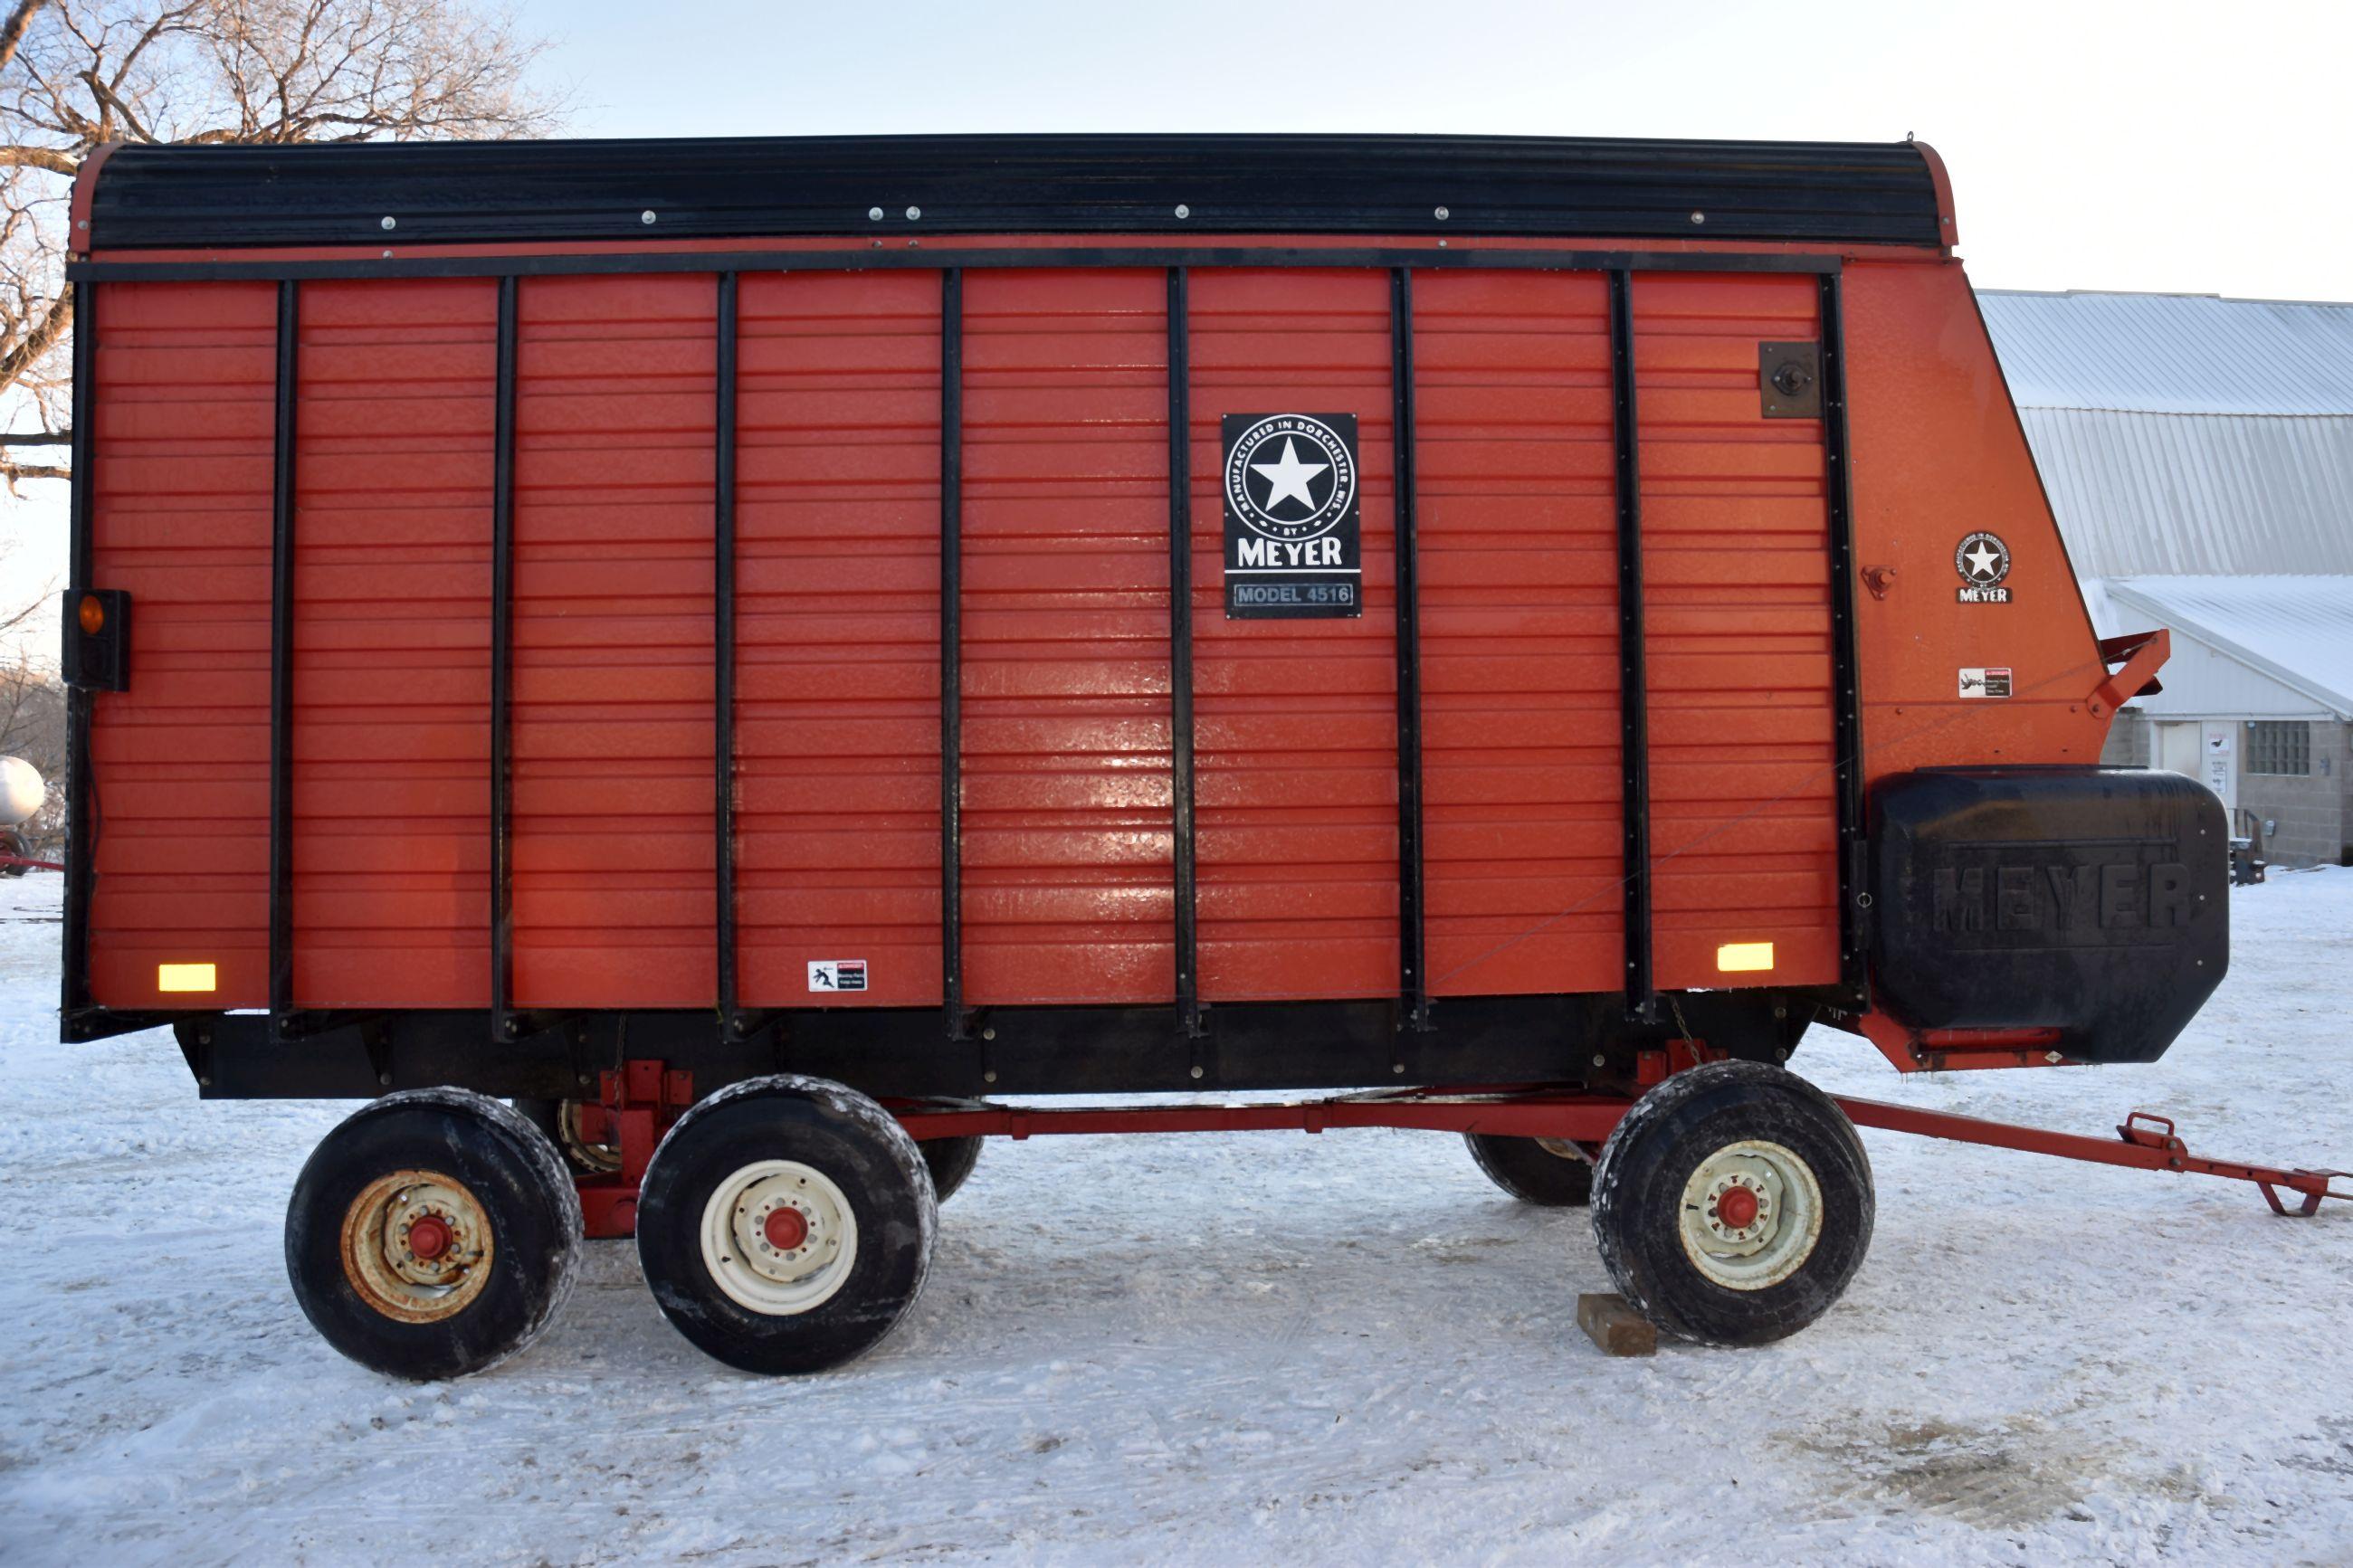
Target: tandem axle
x,y
1731,1200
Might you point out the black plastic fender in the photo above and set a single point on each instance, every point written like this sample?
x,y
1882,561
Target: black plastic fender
x,y
2095,900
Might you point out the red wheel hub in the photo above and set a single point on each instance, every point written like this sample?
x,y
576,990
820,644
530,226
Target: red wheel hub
x,y
1736,1208
430,1237
786,1229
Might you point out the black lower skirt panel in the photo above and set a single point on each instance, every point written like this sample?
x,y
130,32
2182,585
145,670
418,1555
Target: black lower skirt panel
x,y
1014,1050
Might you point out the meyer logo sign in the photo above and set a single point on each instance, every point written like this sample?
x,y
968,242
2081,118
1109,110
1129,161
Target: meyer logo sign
x,y
1989,894
1983,562
1292,539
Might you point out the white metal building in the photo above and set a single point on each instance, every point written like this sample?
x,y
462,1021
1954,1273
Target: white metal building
x,y
2199,454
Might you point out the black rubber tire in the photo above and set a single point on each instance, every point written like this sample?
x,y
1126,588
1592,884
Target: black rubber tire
x,y
512,1169
951,1160
543,1115
850,1140
1639,1188
1530,1173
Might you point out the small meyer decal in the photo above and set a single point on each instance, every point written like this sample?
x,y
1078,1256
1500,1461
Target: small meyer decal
x,y
837,974
1983,562
1993,683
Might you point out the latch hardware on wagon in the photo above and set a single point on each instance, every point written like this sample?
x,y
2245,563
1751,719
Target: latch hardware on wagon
x,y
1789,380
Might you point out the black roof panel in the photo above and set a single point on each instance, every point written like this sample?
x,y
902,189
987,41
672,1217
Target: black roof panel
x,y
524,191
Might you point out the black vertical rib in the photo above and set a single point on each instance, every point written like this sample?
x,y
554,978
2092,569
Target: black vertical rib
x,y
503,674
281,660
1412,978
1845,697
1635,738
952,650
81,793
723,651
1180,653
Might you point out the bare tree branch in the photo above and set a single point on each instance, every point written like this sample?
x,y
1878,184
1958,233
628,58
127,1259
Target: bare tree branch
x,y
108,100
75,74
47,158
12,30
38,339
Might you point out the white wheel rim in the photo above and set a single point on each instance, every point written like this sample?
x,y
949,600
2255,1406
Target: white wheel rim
x,y
755,1209
1751,1214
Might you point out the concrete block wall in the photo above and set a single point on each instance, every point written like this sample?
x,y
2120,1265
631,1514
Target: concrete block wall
x,y
2314,815
2128,740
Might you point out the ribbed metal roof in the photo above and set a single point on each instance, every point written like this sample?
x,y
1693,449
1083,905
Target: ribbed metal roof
x,y
2183,433
2297,629
2137,493
2198,456
2173,354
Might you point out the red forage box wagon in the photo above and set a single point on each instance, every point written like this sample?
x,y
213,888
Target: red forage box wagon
x,y
747,648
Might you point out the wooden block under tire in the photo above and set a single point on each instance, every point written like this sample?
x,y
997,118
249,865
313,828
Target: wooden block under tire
x,y
1616,1327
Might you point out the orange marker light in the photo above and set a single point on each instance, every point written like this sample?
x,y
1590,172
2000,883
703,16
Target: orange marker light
x,y
91,614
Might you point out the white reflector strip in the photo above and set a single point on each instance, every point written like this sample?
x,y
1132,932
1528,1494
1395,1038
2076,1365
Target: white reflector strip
x,y
185,977
1740,957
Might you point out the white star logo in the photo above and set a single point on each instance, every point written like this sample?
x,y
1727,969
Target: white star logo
x,y
1289,478
1982,559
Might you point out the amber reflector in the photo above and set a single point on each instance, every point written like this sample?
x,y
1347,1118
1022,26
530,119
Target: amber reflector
x,y
92,614
185,977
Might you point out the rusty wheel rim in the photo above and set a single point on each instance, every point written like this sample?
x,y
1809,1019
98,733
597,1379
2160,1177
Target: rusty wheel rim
x,y
595,1157
417,1246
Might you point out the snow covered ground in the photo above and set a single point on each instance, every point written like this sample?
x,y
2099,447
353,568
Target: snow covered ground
x,y
1248,1348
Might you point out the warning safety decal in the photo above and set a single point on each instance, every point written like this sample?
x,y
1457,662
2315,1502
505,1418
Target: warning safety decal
x,y
837,974
1292,546
1990,682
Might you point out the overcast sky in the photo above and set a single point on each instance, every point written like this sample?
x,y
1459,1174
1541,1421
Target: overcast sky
x,y
2155,146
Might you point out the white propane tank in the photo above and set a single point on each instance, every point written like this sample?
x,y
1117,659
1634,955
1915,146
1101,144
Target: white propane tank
x,y
21,792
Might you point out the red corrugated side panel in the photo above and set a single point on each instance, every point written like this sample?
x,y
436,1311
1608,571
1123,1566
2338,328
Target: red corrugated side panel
x,y
1736,624
1067,878
837,633
1065,662
391,849
1517,528
1295,730
185,404
612,729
